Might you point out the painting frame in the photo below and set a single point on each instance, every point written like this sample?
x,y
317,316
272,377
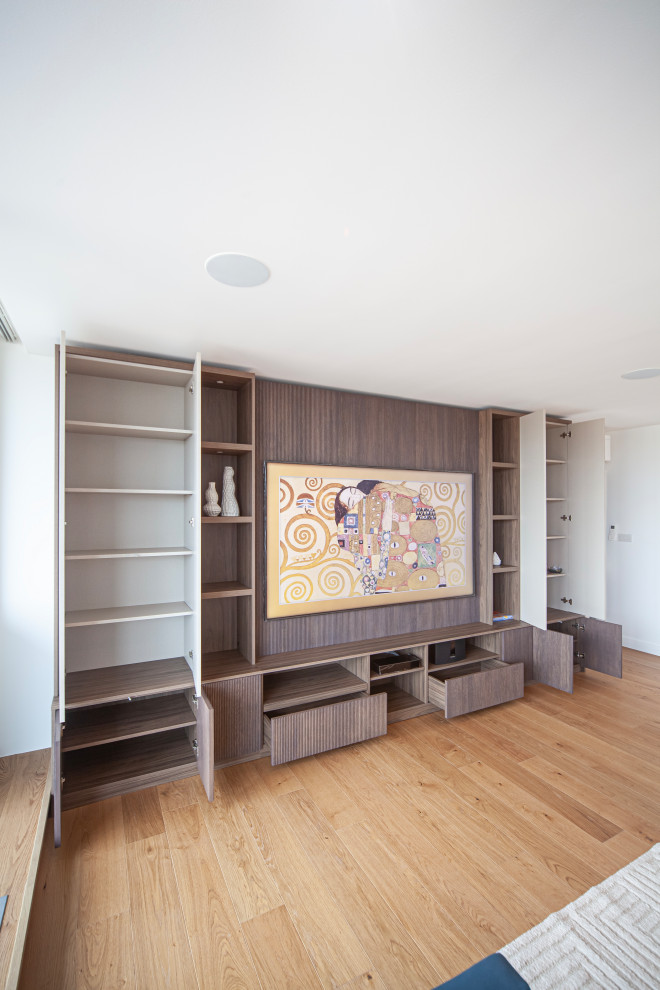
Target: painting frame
x,y
310,497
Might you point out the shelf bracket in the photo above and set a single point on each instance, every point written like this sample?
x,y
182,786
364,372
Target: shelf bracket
x,y
567,601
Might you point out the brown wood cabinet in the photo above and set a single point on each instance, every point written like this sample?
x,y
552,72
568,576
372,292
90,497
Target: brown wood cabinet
x,y
145,570
129,710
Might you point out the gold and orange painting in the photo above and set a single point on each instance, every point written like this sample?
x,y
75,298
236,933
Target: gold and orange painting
x,y
339,538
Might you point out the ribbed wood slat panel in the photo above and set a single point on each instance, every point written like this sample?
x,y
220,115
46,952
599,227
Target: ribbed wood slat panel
x,y
317,730
237,717
301,424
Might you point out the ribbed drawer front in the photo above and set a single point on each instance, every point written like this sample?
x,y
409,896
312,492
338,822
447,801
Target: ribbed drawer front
x,y
321,728
494,684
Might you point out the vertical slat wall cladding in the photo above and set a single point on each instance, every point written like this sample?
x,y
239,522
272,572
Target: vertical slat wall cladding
x,y
300,424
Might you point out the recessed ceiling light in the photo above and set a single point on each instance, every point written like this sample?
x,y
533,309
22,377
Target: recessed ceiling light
x,y
237,269
642,373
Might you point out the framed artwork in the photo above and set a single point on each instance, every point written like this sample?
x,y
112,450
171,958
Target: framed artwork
x,y
339,538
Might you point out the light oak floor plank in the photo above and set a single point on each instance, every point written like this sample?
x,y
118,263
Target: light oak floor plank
x,y
162,956
218,947
104,955
247,877
331,943
279,955
386,865
142,814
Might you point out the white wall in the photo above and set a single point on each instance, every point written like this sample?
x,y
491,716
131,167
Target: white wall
x,y
27,471
633,506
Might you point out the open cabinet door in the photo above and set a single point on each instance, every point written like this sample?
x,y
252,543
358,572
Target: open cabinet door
x,y
600,642
553,659
202,738
586,505
193,524
60,532
533,522
56,775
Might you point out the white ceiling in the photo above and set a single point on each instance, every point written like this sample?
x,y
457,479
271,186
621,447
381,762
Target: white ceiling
x,y
458,201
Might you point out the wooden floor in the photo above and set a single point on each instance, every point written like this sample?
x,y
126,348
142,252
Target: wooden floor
x,y
24,796
394,863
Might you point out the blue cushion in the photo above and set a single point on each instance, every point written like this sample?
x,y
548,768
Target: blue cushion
x,y
492,973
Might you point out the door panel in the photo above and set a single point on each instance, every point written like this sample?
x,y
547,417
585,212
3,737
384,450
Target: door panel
x,y
553,659
517,646
533,582
238,708
205,758
193,524
601,644
61,523
586,505
57,775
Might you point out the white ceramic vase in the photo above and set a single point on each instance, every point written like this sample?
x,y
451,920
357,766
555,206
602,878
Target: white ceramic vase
x,y
211,506
229,503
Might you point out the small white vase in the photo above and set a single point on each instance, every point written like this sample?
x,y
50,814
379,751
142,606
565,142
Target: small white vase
x,y
211,507
229,503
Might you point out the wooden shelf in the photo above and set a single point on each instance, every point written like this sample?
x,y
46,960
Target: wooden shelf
x,y
225,378
553,460
505,569
226,519
125,720
504,465
126,613
300,687
126,430
402,705
133,680
149,374
397,673
503,518
549,499
225,664
224,589
550,574
556,537
130,491
219,447
135,552
473,654
559,615
101,771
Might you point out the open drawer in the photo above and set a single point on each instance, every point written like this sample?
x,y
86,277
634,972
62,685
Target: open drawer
x,y
321,726
467,689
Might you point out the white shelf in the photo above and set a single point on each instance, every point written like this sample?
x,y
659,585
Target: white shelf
x,y
556,537
126,613
557,575
136,552
130,491
555,499
150,374
126,430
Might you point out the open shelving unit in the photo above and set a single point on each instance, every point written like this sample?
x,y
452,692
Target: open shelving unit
x,y
227,440
227,579
499,513
128,577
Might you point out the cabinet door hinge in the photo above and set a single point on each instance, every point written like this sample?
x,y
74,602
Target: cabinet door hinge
x,y
567,601
565,435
